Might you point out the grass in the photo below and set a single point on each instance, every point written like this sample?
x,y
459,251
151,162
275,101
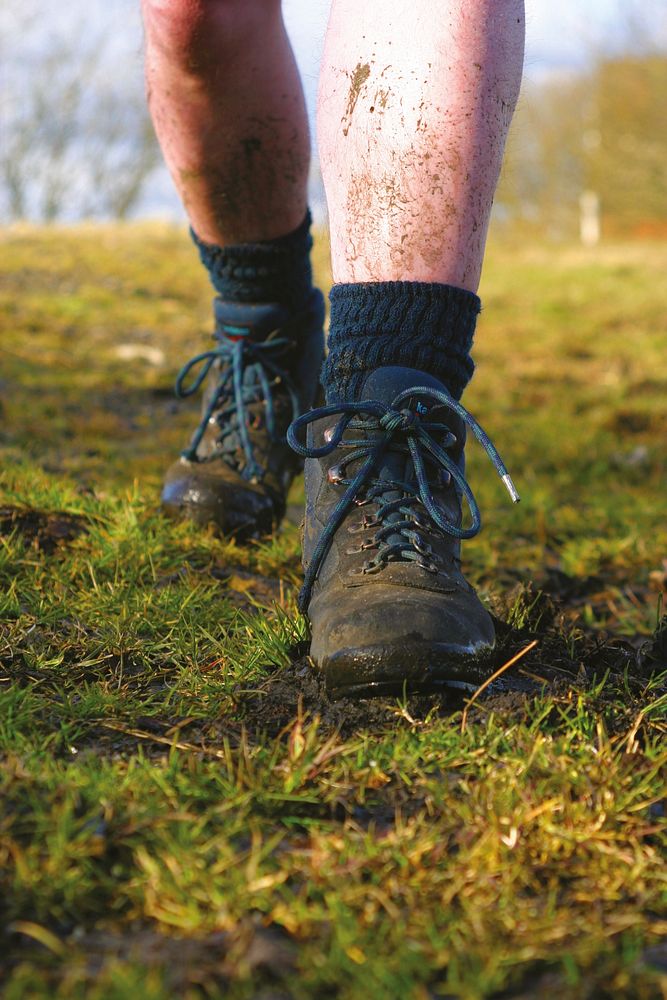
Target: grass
x,y
184,813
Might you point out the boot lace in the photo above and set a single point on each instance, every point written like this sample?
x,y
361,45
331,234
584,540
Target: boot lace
x,y
398,519
249,374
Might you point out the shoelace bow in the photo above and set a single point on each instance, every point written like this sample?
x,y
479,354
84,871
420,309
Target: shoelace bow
x,y
237,356
404,431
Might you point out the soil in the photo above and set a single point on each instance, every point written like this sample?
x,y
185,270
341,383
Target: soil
x,y
45,530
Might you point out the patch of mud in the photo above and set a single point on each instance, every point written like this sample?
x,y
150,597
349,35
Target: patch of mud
x,y
652,654
541,982
557,665
45,530
266,953
357,79
568,588
271,705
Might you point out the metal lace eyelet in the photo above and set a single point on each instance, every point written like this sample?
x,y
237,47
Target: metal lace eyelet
x,y
335,474
364,525
329,433
422,547
369,543
373,566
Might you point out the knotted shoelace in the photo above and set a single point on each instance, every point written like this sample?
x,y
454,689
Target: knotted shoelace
x,y
389,427
248,375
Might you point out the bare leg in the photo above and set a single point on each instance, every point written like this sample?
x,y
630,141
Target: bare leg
x,y
415,104
228,109
229,113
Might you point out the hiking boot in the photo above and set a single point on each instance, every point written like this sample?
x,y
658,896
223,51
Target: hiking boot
x,y
388,605
262,374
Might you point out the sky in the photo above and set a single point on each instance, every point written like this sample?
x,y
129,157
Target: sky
x,y
559,33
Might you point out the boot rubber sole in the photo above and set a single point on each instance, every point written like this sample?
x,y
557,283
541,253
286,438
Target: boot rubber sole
x,y
376,671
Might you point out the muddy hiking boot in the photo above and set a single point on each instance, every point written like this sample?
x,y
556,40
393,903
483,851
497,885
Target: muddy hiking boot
x,y
388,605
261,374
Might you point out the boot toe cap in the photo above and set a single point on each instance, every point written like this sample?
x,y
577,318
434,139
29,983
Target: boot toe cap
x,y
208,495
395,637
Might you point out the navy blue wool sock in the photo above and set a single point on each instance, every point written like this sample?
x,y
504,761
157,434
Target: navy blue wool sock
x,y
271,271
409,323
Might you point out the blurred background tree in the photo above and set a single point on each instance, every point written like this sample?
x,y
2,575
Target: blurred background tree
x,y
76,139
599,132
628,158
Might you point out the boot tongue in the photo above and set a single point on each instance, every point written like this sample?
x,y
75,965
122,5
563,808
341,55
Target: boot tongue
x,y
384,385
247,319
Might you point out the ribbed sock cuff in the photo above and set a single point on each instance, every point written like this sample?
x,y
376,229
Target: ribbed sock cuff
x,y
271,271
414,324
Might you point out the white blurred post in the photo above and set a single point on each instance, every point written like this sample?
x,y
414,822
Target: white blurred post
x,y
589,218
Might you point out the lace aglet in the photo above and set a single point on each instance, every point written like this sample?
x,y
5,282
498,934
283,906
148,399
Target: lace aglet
x,y
511,488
